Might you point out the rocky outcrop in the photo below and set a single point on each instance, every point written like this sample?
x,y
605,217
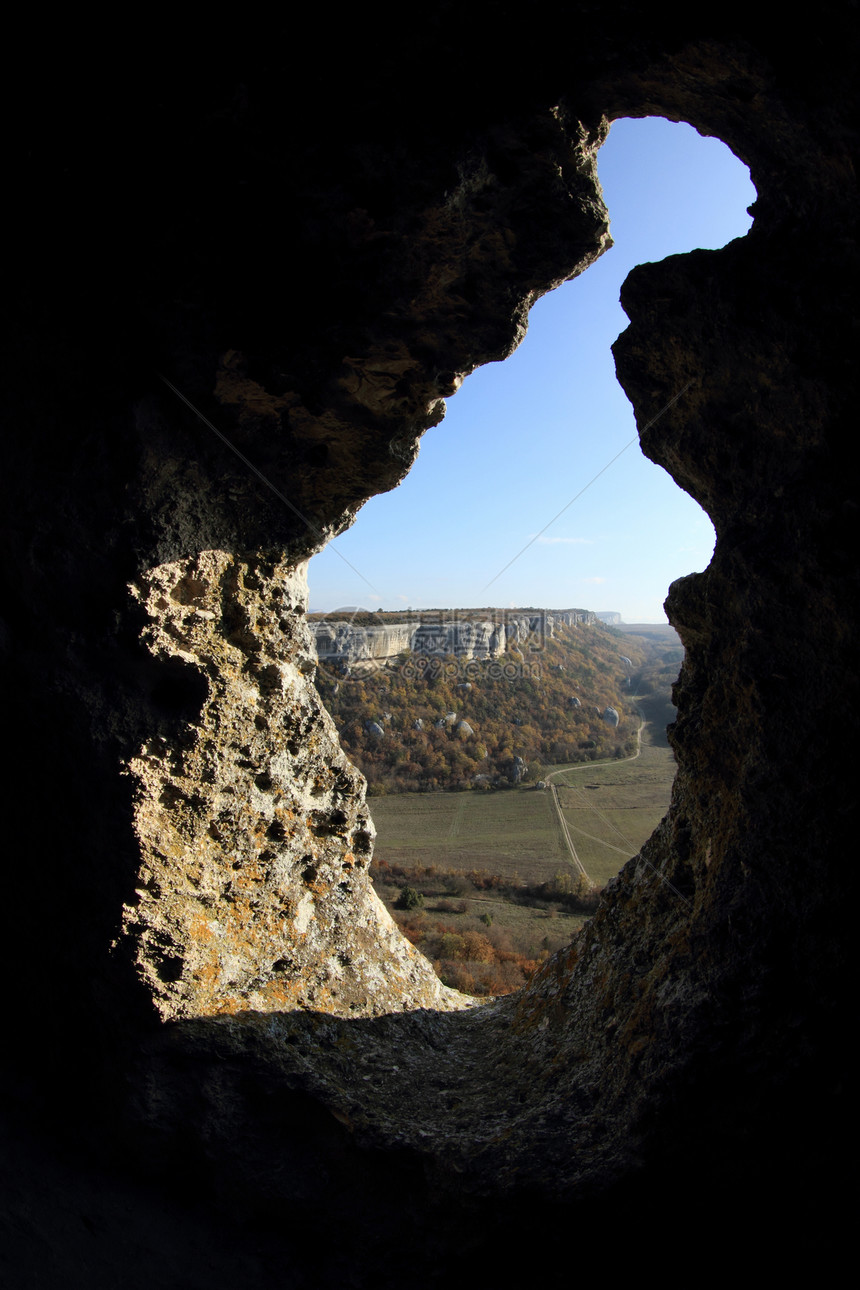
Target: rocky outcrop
x,y
253,889
221,1028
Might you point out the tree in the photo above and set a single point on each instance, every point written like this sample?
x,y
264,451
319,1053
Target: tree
x,y
409,898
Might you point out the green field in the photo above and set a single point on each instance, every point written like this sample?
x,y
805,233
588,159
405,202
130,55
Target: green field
x,y
610,809
509,832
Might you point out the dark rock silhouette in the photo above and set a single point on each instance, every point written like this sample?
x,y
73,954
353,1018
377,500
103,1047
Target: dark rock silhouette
x,y
220,1052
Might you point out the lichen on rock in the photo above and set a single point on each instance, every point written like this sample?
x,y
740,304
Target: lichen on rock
x,y
254,891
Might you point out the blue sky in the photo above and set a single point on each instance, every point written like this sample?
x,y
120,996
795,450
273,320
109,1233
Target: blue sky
x,y
523,437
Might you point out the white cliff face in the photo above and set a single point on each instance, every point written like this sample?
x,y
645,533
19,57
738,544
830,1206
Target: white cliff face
x,y
438,634
341,640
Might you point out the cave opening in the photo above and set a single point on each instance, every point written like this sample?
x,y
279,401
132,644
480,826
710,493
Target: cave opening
x,y
520,437
650,1076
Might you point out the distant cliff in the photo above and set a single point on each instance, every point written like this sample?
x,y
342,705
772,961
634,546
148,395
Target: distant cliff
x,y
466,634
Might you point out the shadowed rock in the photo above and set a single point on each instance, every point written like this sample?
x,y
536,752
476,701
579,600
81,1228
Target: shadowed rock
x,y
222,1022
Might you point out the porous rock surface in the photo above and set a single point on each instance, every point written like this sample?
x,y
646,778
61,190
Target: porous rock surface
x,y
189,913
255,838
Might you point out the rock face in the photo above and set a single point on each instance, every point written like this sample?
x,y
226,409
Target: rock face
x,y
225,1035
345,642
253,889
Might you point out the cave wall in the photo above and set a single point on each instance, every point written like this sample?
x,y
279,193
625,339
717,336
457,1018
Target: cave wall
x,y
315,264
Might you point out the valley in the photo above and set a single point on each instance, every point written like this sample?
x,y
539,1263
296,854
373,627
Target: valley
x,y
483,880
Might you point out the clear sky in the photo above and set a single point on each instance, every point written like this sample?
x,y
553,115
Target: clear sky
x,y
523,437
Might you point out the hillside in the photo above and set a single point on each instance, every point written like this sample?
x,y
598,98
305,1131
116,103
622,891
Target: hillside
x,y
464,716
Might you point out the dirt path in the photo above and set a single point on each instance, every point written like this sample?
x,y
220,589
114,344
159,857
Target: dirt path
x,y
574,858
588,766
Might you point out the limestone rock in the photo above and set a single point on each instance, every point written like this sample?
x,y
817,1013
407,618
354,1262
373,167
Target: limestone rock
x,y
341,641
344,642
517,770
253,891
